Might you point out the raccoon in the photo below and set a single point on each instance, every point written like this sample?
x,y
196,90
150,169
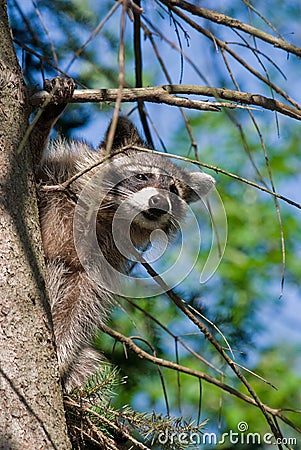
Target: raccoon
x,y
150,191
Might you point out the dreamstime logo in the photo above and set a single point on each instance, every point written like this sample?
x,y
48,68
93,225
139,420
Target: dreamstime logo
x,y
94,244
240,436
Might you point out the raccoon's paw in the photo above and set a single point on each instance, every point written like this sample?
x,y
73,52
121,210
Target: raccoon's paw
x,y
84,365
61,88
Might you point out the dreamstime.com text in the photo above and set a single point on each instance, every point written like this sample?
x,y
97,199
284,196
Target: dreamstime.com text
x,y
239,437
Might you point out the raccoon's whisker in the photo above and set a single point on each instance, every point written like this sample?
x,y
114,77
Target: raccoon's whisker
x,y
174,224
106,206
119,193
112,189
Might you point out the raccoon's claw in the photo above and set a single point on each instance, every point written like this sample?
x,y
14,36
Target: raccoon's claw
x,y
61,88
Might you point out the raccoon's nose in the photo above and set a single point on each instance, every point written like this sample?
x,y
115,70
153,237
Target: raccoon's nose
x,y
158,204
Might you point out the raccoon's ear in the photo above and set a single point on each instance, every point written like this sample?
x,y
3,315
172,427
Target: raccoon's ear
x,y
197,185
126,133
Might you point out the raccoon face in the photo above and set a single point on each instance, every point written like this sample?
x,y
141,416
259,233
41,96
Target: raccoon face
x,y
152,199
149,190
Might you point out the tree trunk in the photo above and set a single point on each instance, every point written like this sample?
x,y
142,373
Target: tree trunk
x,y
31,406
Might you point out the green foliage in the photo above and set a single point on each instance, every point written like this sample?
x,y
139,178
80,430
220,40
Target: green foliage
x,y
93,420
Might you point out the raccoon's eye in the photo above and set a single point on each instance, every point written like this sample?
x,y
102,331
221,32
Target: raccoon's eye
x,y
141,176
173,188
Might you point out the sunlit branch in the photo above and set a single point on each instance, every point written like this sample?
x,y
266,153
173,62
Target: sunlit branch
x,y
167,94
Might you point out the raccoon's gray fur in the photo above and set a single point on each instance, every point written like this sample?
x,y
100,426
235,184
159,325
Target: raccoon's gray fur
x,y
150,185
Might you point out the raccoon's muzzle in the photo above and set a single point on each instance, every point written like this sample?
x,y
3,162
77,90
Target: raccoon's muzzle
x,y
158,207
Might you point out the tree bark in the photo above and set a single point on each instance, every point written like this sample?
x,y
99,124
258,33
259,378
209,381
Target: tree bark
x,y
31,406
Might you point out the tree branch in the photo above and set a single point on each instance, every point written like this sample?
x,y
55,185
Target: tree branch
x,y
168,94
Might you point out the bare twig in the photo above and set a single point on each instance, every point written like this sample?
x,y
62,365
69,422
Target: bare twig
x,y
179,340
128,342
225,172
94,33
121,78
181,305
53,51
219,44
230,22
175,47
267,162
66,184
139,72
251,7
149,34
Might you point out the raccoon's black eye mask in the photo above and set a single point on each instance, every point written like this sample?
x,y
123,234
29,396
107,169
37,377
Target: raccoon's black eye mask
x,y
136,182
143,176
140,180
173,188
